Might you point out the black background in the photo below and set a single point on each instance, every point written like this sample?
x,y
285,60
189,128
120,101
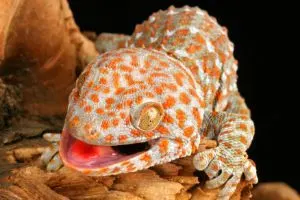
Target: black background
x,y
265,36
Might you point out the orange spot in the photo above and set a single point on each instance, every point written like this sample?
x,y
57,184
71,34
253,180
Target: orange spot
x,y
138,28
184,98
200,39
158,90
115,122
163,64
119,90
100,111
129,102
243,140
169,86
108,138
90,84
149,135
129,79
96,88
119,106
193,93
214,167
197,116
127,120
188,131
227,145
179,142
193,48
180,115
88,109
106,90
178,77
168,119
153,58
134,60
135,133
94,98
130,91
75,121
82,103
122,115
169,102
111,114
103,70
146,158
116,79
138,99
163,130
159,74
143,87
165,40
87,127
102,81
182,32
252,129
147,64
243,127
131,167
163,146
113,63
125,68
143,71
149,94
109,100
122,138
105,124
150,81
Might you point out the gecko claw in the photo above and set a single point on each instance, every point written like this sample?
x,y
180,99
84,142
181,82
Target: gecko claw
x,y
223,168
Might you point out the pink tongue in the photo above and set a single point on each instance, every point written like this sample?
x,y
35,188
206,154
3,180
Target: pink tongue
x,y
85,152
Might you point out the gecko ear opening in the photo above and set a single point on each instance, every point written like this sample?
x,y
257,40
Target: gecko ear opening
x,y
147,116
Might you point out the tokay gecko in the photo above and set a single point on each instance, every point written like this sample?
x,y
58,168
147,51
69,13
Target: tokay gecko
x,y
152,102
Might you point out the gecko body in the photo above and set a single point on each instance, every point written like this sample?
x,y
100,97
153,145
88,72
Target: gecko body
x,y
172,87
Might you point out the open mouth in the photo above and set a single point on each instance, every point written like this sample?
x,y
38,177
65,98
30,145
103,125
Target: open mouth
x,y
82,155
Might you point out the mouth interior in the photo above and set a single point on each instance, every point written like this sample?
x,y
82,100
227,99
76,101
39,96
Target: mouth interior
x,y
83,155
129,149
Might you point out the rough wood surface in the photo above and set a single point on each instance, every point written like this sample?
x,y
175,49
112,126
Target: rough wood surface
x,y
23,178
41,50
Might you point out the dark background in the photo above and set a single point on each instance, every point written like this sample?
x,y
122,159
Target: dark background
x,y
265,35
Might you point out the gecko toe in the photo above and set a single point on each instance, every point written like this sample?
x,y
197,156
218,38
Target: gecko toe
x,y
219,180
55,163
202,159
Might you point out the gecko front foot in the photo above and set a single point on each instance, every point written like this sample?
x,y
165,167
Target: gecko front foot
x,y
223,167
50,156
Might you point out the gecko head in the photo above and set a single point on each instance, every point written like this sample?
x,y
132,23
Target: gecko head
x,y
131,109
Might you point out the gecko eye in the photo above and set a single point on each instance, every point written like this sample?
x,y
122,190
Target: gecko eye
x,y
147,116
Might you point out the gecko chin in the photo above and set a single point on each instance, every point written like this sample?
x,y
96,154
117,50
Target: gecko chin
x,y
76,153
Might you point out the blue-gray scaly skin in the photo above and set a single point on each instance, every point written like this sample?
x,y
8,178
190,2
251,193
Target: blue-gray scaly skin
x,y
179,65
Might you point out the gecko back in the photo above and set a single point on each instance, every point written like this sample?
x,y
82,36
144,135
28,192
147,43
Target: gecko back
x,y
196,39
